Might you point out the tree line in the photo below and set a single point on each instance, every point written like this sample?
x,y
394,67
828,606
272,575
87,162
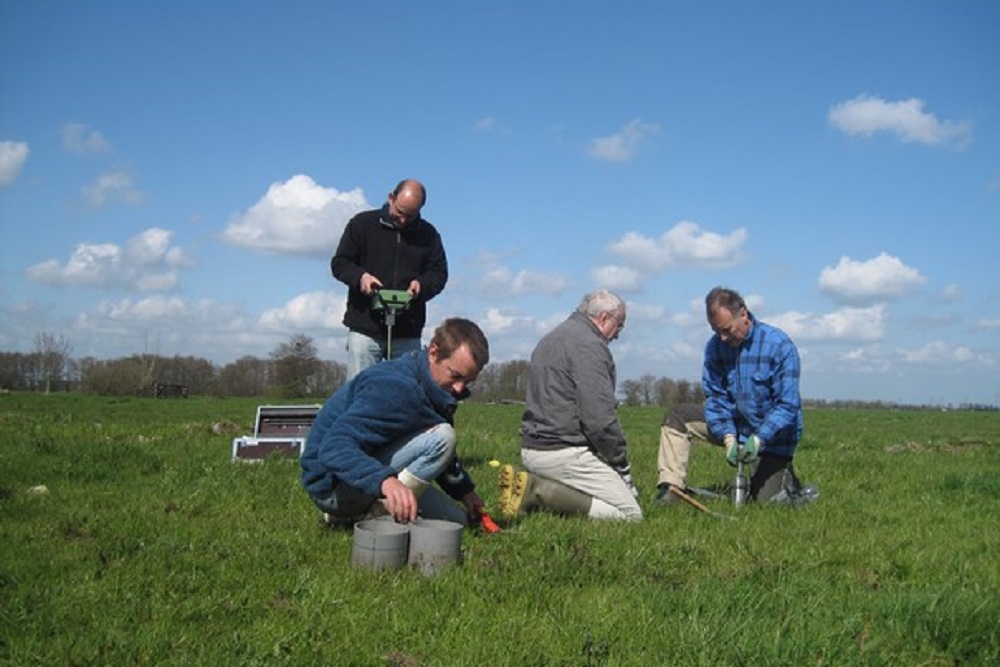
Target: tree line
x,y
293,370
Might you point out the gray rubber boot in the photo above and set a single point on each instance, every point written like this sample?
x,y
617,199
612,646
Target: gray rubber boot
x,y
522,492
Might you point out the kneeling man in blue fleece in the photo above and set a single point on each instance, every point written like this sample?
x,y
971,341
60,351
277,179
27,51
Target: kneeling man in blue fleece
x,y
382,439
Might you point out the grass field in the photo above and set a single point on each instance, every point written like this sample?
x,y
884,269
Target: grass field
x,y
151,548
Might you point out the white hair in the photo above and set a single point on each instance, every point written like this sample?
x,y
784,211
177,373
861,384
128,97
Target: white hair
x,y
600,301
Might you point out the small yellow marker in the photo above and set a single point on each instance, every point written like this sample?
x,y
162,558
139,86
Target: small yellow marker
x,y
494,463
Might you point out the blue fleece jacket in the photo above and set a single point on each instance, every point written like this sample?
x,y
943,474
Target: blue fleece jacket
x,y
385,402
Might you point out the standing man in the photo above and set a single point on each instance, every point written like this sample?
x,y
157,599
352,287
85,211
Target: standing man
x,y
752,404
385,436
391,248
571,442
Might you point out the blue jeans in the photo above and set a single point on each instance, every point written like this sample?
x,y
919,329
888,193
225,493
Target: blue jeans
x,y
425,455
364,351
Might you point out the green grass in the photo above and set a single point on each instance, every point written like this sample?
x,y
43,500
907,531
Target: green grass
x,y
151,548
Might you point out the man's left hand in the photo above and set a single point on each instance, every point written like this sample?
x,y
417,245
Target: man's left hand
x,y
473,503
751,449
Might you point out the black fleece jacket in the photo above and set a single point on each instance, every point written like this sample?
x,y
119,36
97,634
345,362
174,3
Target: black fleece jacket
x,y
370,243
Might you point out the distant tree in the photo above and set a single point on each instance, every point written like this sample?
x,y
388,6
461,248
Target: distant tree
x,y
514,380
328,378
247,376
294,365
52,358
195,373
631,391
116,377
12,370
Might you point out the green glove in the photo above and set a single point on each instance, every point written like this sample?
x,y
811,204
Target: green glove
x,y
751,449
729,440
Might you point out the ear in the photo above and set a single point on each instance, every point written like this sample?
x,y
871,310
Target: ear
x,y
432,352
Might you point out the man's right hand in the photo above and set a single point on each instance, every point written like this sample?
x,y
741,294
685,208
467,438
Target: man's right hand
x,y
732,448
369,284
399,500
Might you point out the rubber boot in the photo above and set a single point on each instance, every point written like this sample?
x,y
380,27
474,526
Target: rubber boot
x,y
522,492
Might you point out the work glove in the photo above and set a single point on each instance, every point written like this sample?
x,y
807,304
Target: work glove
x,y
729,440
747,453
625,471
751,449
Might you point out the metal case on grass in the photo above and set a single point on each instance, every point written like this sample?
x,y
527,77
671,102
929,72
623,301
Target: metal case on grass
x,y
279,430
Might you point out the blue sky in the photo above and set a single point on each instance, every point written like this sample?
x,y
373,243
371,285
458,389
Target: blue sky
x,y
174,176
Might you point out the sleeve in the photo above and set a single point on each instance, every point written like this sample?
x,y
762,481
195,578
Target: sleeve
x,y
344,265
346,447
719,406
783,414
596,393
434,273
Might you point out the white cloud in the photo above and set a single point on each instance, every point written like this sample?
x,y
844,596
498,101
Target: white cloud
x,y
313,311
865,115
297,217
617,278
864,360
77,138
620,147
880,279
496,321
684,243
951,293
498,279
112,186
844,325
490,125
988,324
13,155
147,262
938,352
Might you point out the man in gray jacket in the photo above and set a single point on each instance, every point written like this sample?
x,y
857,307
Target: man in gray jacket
x,y
572,445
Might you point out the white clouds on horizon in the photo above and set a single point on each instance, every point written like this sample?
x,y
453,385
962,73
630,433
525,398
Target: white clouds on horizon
x,y
882,278
622,146
865,115
13,155
938,352
297,217
147,262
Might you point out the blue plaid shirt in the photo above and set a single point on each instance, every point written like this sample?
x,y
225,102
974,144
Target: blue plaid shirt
x,y
754,390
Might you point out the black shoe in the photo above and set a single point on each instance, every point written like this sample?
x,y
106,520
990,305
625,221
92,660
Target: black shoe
x,y
663,494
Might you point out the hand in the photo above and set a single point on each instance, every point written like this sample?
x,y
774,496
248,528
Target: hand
x,y
729,440
751,449
399,500
369,284
625,471
473,504
414,289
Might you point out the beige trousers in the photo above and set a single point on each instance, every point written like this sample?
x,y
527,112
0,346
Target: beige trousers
x,y
675,451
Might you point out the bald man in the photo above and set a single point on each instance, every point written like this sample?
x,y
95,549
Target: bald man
x,y
391,248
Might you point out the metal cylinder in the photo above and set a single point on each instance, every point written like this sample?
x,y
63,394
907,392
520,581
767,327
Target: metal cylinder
x,y
741,489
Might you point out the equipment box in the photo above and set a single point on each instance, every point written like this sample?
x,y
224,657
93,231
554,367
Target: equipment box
x,y
278,429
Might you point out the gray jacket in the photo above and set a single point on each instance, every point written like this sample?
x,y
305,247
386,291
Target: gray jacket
x,y
571,393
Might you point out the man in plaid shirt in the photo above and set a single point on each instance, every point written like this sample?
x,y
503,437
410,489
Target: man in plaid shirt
x,y
752,403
